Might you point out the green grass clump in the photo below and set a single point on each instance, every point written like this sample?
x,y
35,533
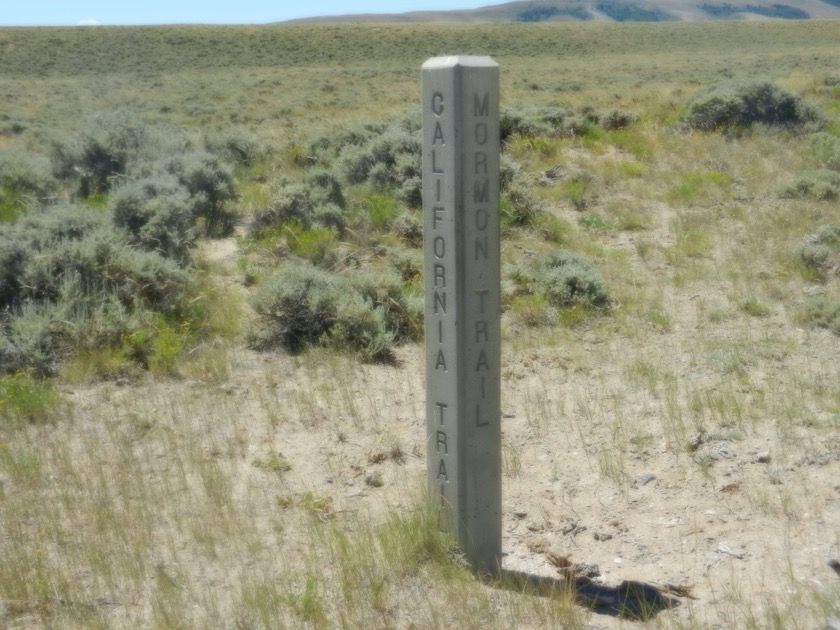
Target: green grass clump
x,y
381,210
697,185
26,398
316,245
578,188
595,222
413,540
273,462
825,149
531,310
753,306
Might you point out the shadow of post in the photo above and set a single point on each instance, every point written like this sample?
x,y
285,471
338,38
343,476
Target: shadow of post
x,y
638,601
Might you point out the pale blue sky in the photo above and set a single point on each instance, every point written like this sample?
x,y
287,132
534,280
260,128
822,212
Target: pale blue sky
x,y
73,12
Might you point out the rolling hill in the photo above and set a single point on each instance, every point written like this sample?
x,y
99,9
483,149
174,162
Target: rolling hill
x,y
611,11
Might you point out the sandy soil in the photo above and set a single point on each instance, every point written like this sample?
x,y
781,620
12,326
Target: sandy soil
x,y
605,463
612,455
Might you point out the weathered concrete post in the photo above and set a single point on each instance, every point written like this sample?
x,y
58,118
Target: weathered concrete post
x,y
461,225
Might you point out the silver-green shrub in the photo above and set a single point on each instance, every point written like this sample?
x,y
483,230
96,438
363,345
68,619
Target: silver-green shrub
x,y
25,179
317,202
156,213
389,160
296,307
362,329
288,203
211,187
34,238
822,184
408,226
42,333
69,279
569,279
383,290
519,206
821,311
517,124
325,188
367,313
613,119
821,250
104,148
14,255
104,264
740,105
116,146
237,147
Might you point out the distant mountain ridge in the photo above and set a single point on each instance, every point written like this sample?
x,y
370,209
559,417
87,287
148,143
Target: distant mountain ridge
x,y
609,10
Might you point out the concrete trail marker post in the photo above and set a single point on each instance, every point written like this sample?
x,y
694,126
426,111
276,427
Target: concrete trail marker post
x,y
461,149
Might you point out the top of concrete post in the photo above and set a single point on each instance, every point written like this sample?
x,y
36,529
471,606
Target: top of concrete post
x,y
451,61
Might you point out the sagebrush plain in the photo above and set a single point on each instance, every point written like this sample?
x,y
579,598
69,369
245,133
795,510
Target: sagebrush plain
x,y
208,465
